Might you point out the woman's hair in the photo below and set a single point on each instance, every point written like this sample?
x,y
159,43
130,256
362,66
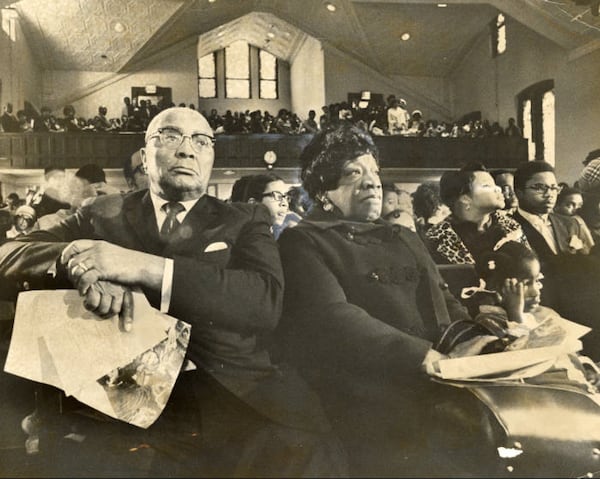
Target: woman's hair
x,y
252,186
426,199
454,184
299,201
508,261
324,157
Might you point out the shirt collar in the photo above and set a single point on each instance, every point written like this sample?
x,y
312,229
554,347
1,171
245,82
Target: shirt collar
x,y
158,203
533,218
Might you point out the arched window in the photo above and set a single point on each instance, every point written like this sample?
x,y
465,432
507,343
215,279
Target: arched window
x,y
240,71
537,120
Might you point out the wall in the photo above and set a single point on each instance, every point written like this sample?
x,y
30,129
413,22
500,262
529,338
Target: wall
x,y
344,75
223,104
308,78
577,113
491,85
18,70
175,71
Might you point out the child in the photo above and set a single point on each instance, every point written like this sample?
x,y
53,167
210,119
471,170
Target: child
x,y
510,316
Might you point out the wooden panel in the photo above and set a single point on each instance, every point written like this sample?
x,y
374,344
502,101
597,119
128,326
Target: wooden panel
x,y
110,150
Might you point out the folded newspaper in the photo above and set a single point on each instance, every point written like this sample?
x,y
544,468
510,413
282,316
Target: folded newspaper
x,y
126,375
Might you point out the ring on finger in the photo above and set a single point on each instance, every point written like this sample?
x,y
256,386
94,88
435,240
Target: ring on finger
x,y
75,269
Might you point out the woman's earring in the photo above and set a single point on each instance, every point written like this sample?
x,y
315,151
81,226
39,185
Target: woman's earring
x,y
326,204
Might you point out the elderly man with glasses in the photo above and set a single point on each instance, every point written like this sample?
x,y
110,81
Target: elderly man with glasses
x,y
212,264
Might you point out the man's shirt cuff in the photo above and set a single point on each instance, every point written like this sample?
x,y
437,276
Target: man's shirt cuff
x,y
167,286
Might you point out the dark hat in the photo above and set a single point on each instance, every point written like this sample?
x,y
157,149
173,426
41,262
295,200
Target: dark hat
x,y
92,173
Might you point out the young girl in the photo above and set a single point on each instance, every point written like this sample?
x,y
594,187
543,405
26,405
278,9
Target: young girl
x,y
509,316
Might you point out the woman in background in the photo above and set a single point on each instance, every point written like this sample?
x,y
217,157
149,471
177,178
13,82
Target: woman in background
x,y
476,225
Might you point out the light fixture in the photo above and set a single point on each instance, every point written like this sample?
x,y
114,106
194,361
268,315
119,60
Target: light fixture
x,y
442,5
212,1
119,27
330,6
405,36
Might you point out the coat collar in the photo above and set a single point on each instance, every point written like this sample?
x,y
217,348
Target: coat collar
x,y
325,220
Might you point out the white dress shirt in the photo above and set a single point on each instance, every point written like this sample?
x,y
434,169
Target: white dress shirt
x,y
161,216
543,226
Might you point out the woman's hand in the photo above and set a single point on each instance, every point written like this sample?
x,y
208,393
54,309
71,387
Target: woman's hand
x,y
513,299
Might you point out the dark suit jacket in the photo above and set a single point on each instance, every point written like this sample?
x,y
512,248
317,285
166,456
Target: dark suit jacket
x,y
231,296
49,205
564,227
362,303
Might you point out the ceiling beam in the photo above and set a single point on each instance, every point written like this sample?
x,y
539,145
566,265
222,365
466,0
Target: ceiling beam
x,y
583,50
146,49
358,28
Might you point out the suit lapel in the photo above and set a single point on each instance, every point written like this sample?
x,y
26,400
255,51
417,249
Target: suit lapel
x,y
141,217
561,233
535,238
194,226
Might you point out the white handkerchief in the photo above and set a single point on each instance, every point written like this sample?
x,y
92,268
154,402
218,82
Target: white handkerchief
x,y
218,246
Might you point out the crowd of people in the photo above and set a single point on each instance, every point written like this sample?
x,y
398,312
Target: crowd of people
x,y
392,118
314,309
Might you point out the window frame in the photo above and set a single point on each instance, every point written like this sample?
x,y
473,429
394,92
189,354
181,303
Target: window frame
x,y
495,27
249,79
261,79
535,94
214,79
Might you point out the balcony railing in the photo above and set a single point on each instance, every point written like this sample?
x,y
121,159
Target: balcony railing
x,y
110,150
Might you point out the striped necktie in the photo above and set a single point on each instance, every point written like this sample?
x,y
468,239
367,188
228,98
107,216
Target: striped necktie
x,y
172,209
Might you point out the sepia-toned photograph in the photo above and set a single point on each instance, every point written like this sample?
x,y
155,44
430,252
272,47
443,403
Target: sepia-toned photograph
x,y
299,238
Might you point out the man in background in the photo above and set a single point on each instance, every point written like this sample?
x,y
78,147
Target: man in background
x,y
214,265
54,195
135,172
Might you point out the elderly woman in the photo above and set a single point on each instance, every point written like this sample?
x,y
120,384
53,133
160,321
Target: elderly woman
x,y
476,224
363,301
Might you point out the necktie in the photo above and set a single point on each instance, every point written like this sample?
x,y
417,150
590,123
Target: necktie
x,y
172,209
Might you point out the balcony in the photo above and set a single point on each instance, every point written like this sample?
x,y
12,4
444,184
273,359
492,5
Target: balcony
x,y
403,159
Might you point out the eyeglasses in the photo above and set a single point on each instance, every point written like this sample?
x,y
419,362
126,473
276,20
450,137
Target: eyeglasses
x,y
277,196
541,189
172,138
